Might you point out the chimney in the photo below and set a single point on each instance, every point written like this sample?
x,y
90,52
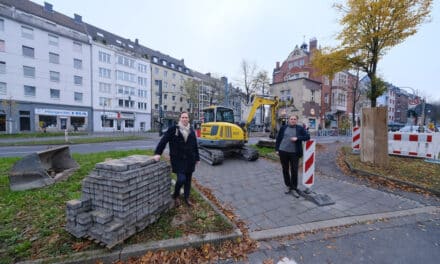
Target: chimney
x,y
208,74
136,41
313,44
77,18
278,65
48,7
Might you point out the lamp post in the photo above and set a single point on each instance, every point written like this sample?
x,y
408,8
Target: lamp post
x,y
159,84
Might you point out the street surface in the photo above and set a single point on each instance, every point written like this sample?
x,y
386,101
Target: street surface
x,y
367,223
149,142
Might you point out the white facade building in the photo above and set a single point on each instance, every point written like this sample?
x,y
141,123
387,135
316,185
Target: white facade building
x,y
121,89
45,78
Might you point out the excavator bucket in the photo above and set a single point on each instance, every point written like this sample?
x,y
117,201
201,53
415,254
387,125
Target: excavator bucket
x,y
42,168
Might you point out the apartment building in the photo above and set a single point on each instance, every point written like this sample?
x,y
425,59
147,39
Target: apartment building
x,y
121,85
336,102
302,97
169,97
45,75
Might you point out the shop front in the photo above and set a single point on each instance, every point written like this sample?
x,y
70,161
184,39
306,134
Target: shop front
x,y
118,121
53,120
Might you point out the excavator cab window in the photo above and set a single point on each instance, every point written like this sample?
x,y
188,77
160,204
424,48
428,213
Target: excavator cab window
x,y
225,115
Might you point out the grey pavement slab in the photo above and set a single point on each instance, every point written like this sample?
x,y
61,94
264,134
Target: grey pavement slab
x,y
256,192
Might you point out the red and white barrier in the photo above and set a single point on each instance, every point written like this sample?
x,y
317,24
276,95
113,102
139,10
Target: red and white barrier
x,y
421,145
356,139
308,176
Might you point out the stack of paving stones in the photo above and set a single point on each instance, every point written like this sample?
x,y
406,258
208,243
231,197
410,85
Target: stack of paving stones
x,y
119,198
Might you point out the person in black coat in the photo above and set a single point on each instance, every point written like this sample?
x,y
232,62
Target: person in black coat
x,y
184,154
288,146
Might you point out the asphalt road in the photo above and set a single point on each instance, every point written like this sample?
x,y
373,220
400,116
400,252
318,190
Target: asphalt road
x,y
150,143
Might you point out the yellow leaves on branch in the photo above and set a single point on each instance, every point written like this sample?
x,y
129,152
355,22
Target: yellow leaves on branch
x,y
375,25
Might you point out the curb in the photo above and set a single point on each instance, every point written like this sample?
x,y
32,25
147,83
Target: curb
x,y
409,184
138,250
350,220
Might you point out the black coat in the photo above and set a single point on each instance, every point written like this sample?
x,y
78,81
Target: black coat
x,y
183,155
301,134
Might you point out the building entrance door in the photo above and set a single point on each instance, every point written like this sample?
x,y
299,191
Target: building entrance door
x,y
63,123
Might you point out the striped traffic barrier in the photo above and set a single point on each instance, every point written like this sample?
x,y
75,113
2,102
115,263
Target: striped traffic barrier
x,y
356,139
309,163
421,145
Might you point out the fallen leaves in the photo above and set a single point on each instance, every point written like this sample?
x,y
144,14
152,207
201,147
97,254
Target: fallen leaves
x,y
237,249
402,173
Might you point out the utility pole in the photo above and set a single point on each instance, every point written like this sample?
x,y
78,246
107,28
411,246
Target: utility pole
x,y
159,83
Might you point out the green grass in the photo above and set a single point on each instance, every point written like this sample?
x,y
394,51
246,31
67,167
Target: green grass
x,y
32,222
412,170
40,135
72,141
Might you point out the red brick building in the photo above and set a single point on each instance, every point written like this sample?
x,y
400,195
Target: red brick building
x,y
336,97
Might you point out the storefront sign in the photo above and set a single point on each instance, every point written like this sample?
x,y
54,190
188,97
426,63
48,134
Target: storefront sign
x,y
56,112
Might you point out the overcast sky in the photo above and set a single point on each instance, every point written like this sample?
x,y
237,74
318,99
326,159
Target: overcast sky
x,y
216,35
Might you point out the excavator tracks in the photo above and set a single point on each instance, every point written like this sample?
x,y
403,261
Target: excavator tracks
x,y
249,153
211,156
216,156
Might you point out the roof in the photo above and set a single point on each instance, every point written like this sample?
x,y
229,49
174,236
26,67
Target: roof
x,y
42,12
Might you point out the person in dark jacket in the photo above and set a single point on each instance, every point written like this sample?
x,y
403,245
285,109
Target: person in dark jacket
x,y
184,154
288,146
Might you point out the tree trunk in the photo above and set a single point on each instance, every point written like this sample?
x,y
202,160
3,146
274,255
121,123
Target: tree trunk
x,y
374,136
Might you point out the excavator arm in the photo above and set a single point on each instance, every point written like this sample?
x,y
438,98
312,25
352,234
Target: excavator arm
x,y
258,101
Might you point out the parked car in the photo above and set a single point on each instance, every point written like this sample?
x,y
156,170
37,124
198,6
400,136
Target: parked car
x,y
415,128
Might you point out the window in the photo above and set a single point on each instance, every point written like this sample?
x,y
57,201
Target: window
x,y
156,70
142,81
53,40
104,73
2,67
142,67
77,46
77,64
29,71
125,76
2,88
29,90
54,76
2,25
165,73
104,57
155,59
103,101
54,58
78,97
104,87
129,123
125,61
2,45
77,80
54,93
27,32
28,51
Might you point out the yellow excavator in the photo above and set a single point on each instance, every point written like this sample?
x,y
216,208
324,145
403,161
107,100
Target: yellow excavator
x,y
221,137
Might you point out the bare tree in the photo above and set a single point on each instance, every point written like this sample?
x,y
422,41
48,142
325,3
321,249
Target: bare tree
x,y
248,75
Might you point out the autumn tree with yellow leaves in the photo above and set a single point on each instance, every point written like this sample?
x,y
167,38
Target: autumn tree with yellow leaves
x,y
372,27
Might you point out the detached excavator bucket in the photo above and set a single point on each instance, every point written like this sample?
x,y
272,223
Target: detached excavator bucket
x,y
42,168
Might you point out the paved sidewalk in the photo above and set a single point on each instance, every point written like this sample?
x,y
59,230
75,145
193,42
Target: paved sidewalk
x,y
255,190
